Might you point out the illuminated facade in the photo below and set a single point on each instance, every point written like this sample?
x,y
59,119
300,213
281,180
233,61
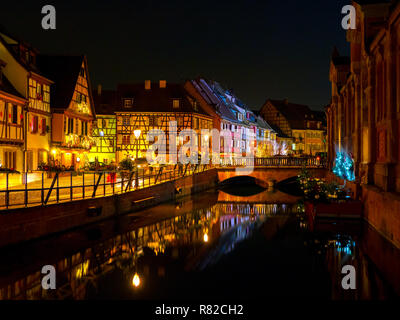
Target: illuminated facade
x,y
232,117
363,117
12,108
143,107
72,109
297,125
104,128
22,72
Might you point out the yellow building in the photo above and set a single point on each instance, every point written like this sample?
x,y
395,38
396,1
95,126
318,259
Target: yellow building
x,y
72,109
303,129
104,128
22,72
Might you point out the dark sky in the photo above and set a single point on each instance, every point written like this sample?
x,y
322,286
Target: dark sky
x,y
260,49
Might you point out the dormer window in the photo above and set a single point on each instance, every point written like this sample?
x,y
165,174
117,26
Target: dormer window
x,y
82,72
128,103
175,103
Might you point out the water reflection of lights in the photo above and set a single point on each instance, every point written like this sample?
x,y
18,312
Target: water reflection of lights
x,y
136,280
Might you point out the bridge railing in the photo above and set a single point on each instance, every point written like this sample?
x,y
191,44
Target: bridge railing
x,y
274,162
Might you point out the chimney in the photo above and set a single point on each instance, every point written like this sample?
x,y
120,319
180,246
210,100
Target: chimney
x,y
99,90
147,84
163,83
286,101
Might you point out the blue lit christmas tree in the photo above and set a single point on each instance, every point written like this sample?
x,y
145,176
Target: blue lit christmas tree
x,y
344,166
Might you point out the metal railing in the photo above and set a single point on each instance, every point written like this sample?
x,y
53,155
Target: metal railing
x,y
69,186
296,162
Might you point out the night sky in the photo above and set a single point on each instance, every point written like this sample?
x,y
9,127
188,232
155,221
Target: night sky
x,y
260,49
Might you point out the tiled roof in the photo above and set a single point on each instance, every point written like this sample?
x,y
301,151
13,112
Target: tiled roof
x,y
7,87
155,99
11,42
205,90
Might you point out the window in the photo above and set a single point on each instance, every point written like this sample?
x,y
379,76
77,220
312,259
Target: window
x,y
39,91
175,103
10,159
70,125
128,103
152,121
125,120
125,139
34,124
82,72
43,126
14,114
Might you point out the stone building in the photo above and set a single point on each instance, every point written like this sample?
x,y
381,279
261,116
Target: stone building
x,y
363,117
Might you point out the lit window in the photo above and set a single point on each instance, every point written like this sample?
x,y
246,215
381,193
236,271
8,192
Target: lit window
x,y
175,103
128,103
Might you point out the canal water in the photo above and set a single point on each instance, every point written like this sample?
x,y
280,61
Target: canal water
x,y
212,245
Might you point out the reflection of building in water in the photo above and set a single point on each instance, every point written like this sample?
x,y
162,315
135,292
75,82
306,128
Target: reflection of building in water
x,y
76,272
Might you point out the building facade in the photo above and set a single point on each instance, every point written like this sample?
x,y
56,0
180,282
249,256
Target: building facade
x,y
72,109
232,118
147,106
303,130
12,142
104,127
22,72
363,117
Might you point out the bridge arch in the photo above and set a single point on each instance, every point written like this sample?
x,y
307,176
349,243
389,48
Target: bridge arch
x,y
263,175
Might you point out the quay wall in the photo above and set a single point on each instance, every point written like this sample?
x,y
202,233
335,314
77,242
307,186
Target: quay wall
x,y
18,225
381,209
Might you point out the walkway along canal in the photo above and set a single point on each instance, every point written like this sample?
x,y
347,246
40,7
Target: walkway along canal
x,y
208,245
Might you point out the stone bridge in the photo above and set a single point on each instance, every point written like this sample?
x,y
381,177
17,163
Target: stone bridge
x,y
264,175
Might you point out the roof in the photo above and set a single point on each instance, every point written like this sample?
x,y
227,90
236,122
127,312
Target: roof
x,y
105,103
6,86
64,70
296,114
155,99
205,89
11,42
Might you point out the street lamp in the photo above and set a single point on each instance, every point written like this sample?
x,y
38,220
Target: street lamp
x,y
137,133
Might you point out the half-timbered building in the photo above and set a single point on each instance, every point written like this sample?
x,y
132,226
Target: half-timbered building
x,y
23,74
72,109
299,126
12,107
105,127
145,106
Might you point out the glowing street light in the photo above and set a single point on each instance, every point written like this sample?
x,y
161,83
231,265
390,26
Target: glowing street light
x,y
205,237
136,280
137,133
